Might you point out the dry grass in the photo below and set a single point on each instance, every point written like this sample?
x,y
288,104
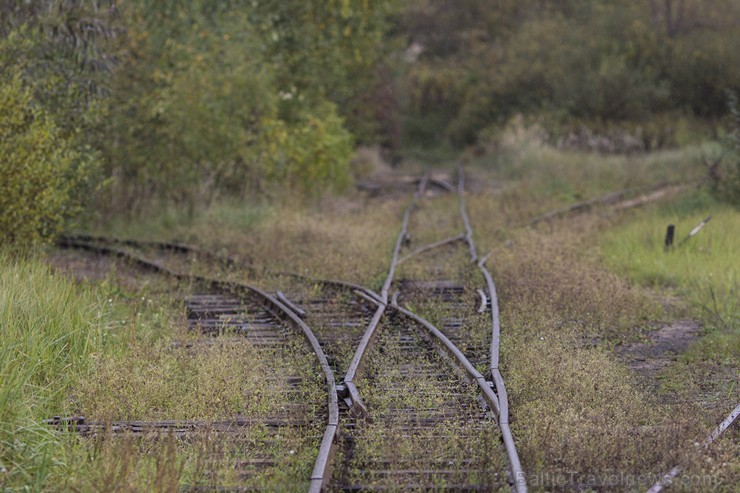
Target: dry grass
x,y
582,419
402,390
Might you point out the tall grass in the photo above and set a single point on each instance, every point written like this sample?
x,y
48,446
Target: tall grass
x,y
49,329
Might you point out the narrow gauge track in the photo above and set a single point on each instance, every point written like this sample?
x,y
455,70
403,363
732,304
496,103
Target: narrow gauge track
x,y
240,310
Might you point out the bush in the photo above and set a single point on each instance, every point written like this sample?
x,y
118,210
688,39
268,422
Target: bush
x,y
312,154
208,103
41,170
595,61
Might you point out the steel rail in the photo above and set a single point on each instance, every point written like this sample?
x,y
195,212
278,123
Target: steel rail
x,y
333,282
517,473
87,242
455,352
370,331
618,199
71,239
323,461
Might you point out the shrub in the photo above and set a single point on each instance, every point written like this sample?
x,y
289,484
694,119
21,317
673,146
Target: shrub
x,y
40,169
308,155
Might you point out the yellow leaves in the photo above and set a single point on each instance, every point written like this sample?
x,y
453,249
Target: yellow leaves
x,y
39,166
346,9
309,154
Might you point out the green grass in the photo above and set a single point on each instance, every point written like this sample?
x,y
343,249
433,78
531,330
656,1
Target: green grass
x,y
170,222
51,329
703,270
105,352
701,276
530,167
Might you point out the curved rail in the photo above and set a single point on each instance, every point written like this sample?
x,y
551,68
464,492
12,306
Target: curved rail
x,y
278,310
517,473
455,352
184,248
431,246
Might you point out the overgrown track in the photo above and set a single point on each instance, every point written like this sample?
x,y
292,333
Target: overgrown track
x,y
442,388
234,309
413,410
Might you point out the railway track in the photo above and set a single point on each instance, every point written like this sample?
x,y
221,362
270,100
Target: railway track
x,y
222,312
406,386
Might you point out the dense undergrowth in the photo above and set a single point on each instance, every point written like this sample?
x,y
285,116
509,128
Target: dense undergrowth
x,y
105,352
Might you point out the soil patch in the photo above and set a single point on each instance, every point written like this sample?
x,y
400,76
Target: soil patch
x,y
662,348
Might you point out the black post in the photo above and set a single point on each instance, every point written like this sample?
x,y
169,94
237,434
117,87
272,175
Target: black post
x,y
669,236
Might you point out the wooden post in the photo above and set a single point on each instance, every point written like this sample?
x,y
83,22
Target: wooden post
x,y
669,234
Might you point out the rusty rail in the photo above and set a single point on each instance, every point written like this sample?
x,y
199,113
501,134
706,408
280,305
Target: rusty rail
x,y
667,479
432,246
184,248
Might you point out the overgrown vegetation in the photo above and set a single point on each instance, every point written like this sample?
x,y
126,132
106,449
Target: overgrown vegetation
x,y
42,173
597,63
724,172
107,353
51,330
182,103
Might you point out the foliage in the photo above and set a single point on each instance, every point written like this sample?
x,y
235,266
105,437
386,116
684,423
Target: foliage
x,y
184,112
186,101
586,60
315,150
54,55
236,98
725,173
328,50
65,51
41,170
